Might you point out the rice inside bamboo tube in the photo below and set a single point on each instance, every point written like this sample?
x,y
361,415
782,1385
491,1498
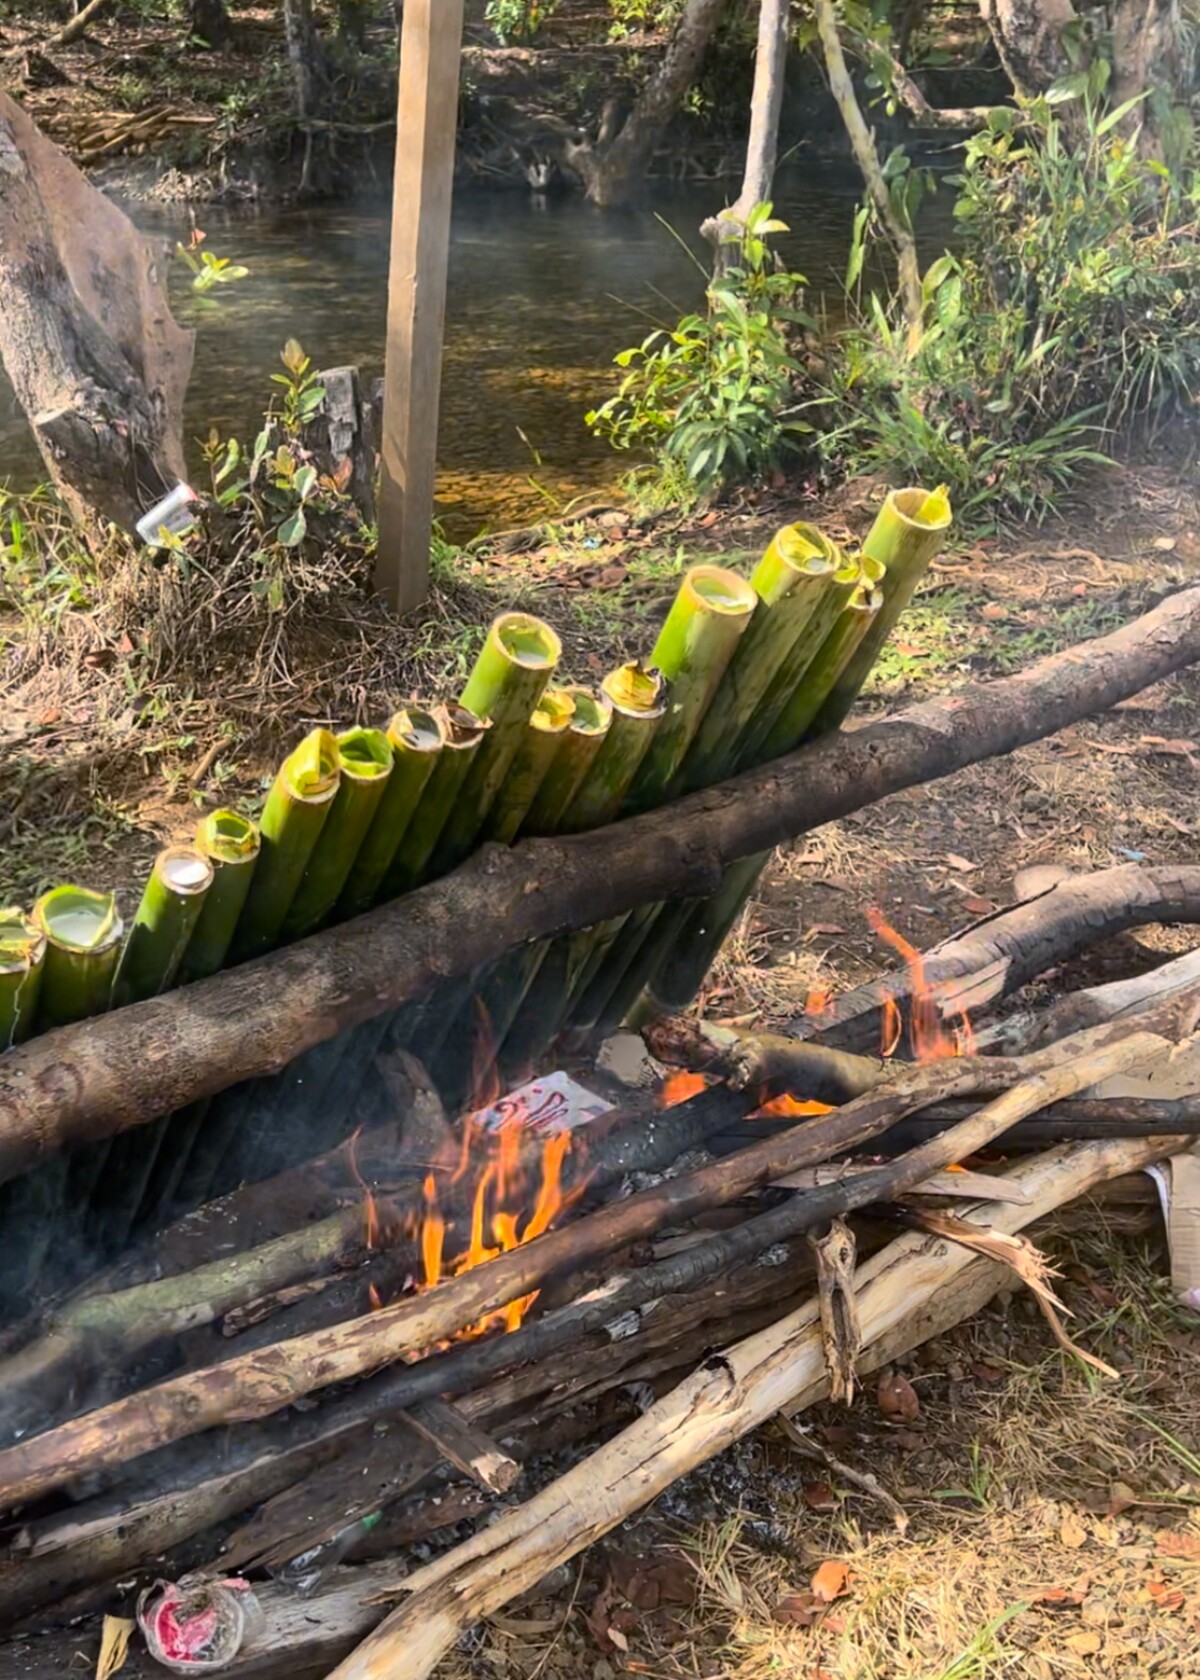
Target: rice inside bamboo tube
x,y
463,732
365,768
416,738
791,582
710,614
230,843
298,804
163,926
908,532
637,695
591,720
541,741
83,935
22,953
514,666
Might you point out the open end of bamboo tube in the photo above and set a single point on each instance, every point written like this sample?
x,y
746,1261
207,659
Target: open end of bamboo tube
x,y
77,919
924,510
183,870
718,591
416,730
806,548
462,729
592,713
312,770
554,712
636,691
228,837
22,942
364,754
526,641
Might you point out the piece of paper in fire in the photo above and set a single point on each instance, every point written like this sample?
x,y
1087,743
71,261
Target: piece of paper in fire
x,y
555,1103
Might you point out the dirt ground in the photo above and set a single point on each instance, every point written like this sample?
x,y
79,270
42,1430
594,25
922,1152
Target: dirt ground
x,y
1053,1515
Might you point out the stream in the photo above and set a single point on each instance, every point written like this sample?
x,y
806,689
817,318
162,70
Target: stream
x,y
543,292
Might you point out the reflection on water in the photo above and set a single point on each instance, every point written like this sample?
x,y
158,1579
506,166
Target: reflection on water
x,y
542,294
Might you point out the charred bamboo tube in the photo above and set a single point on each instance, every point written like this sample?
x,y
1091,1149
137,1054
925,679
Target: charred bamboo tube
x,y
462,735
83,942
230,843
542,740
295,813
571,766
637,695
165,921
909,531
22,953
513,668
364,770
791,582
416,738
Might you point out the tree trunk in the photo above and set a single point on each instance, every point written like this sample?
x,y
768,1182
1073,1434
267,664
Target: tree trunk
x,y
209,21
1028,37
610,168
862,143
102,1076
766,104
306,61
86,333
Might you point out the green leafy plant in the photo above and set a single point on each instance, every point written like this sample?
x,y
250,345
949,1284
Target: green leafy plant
x,y
716,395
207,269
517,22
1069,317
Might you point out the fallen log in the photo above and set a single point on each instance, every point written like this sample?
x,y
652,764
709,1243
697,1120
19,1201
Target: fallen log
x,y
1003,952
781,1368
93,1080
260,1383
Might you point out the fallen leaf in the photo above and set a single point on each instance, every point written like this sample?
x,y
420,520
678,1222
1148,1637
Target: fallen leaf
x,y
910,1440
1164,1597
819,1496
618,1639
1084,1644
987,1373
897,1398
1164,545
834,1624
1179,1545
613,574
1176,746
976,906
994,612
798,1609
829,1582
1120,1498
822,928
1060,1598
1072,1533
956,861
114,1646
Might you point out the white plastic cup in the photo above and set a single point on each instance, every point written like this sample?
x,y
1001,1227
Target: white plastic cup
x,y
171,514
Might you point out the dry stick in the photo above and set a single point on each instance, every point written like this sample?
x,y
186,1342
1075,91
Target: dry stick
x,y
78,24
105,1075
781,1368
260,1383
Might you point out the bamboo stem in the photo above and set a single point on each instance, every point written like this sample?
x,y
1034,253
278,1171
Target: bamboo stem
x,y
22,953
83,943
417,738
297,807
165,921
230,843
463,734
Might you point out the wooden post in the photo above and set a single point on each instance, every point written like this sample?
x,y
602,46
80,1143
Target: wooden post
x,y
430,47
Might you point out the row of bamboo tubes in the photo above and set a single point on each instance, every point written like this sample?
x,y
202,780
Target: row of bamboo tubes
x,y
742,671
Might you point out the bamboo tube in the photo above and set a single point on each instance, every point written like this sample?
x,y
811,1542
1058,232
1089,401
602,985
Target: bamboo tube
x,y
416,738
514,666
230,843
364,770
22,953
708,617
571,766
297,807
637,694
462,735
541,742
909,531
165,921
791,582
83,942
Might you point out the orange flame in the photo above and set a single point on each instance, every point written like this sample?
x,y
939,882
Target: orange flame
x,y
819,1002
790,1106
375,1298
433,1236
927,1034
680,1086
485,1074
370,1211
891,1028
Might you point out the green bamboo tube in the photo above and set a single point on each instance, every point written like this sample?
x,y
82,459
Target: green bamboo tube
x,y
165,921
572,764
462,735
542,739
669,986
637,694
364,770
231,845
297,806
83,942
416,738
708,617
791,583
513,668
22,953
833,656
908,532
